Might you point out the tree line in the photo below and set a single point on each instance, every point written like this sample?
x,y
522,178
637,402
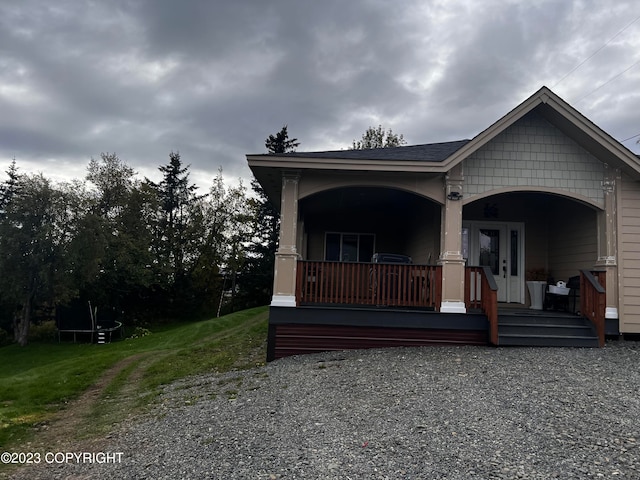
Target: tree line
x,y
143,251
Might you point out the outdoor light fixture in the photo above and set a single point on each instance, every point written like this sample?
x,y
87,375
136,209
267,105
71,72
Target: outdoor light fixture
x,y
454,196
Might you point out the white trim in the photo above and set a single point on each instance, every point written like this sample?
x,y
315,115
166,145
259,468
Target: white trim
x,y
283,301
453,307
611,313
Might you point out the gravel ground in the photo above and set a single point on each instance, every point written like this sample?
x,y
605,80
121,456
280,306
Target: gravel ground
x,y
419,413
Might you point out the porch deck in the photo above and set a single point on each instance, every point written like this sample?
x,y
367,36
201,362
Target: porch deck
x,y
344,306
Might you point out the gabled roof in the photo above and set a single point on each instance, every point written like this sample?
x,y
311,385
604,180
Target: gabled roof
x,y
567,119
441,157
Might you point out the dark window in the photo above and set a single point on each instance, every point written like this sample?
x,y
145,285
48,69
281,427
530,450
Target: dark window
x,y
332,252
349,247
514,253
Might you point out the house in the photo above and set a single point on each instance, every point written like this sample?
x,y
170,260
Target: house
x,y
543,194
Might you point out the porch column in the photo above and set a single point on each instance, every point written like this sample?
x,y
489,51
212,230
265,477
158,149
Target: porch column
x,y
451,244
284,282
608,239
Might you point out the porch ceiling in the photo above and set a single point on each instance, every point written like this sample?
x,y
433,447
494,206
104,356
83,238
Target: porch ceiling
x,y
271,181
361,198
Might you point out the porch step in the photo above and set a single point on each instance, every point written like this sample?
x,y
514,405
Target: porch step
x,y
546,331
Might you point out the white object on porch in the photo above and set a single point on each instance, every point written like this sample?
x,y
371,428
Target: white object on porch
x,y
559,288
536,292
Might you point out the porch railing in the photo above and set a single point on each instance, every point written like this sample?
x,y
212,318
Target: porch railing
x,y
593,300
481,292
377,284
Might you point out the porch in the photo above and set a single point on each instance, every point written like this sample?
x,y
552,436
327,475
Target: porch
x,y
344,305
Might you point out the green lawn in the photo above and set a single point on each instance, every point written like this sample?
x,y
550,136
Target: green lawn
x,y
39,380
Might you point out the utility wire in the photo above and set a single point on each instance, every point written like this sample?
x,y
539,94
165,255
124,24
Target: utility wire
x,y
596,52
607,82
630,138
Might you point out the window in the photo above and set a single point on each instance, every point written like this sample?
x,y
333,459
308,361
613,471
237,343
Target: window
x,y
514,253
490,249
349,247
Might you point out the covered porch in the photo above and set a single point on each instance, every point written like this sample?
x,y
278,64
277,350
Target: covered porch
x,y
475,255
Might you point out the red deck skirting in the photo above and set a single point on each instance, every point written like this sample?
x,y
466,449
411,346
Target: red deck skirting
x,y
301,339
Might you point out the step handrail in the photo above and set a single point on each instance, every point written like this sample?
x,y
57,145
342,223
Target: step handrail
x,y
490,302
487,300
593,302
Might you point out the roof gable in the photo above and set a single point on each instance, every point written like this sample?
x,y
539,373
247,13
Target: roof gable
x,y
567,119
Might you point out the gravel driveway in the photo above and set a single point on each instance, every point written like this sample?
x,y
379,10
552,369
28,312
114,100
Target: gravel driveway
x,y
419,413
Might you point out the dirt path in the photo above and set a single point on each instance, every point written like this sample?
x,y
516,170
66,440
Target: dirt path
x,y
80,425
72,429
71,426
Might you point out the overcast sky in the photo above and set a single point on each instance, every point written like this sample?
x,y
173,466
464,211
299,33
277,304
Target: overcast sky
x,y
212,79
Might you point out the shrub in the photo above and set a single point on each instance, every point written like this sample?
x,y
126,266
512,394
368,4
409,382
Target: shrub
x,y
5,339
140,332
44,331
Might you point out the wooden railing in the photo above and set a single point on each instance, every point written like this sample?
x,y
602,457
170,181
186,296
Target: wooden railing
x,y
481,292
593,300
378,284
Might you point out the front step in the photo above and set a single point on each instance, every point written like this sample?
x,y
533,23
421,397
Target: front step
x,y
545,331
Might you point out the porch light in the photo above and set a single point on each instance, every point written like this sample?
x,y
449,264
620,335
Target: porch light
x,y
454,196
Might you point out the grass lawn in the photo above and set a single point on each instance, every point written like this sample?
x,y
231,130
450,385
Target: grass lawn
x,y
40,381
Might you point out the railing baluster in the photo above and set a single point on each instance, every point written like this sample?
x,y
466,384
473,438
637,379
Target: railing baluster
x,y
319,271
358,283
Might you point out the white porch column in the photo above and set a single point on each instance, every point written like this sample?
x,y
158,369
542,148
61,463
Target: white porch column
x,y
284,282
451,244
608,239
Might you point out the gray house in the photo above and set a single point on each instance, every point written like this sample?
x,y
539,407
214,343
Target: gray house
x,y
527,234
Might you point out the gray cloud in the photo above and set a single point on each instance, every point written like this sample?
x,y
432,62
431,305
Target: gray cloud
x,y
213,79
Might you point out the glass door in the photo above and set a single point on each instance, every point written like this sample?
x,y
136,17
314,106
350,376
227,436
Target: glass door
x,y
492,254
500,247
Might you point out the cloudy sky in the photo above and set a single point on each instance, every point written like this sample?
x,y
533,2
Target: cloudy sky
x,y
212,79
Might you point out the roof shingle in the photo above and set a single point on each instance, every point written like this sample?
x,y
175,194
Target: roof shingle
x,y
431,152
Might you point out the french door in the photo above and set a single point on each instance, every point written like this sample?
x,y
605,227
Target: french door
x,y
500,246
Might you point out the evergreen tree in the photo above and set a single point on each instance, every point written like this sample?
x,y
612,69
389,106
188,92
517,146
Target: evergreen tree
x,y
176,195
280,142
257,277
10,187
177,233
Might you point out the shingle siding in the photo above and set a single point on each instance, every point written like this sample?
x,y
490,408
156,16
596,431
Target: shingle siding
x,y
533,152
